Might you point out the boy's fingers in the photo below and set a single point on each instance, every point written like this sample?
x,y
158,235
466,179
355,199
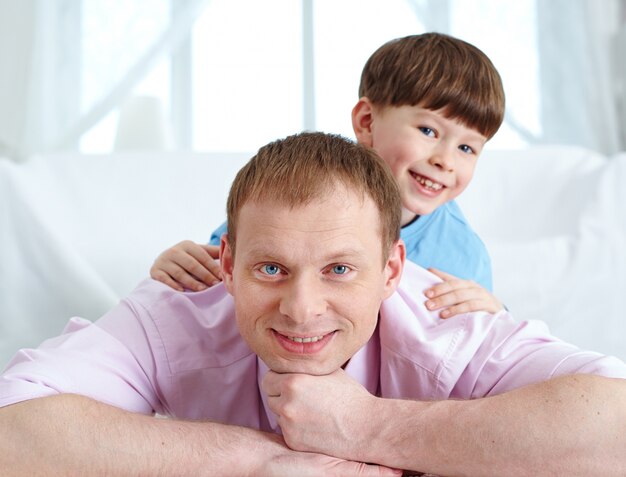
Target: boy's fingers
x,y
212,250
214,268
204,263
464,302
465,307
442,275
448,299
192,263
438,290
185,277
165,278
446,287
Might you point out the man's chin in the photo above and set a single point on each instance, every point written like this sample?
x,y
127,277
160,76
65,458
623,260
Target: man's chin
x,y
302,367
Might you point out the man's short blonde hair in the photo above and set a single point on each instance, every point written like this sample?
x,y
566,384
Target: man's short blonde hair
x,y
301,168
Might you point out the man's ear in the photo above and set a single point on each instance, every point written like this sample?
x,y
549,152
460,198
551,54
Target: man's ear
x,y
394,267
362,117
227,263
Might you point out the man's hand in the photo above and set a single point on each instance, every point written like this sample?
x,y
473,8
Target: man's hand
x,y
188,265
325,414
305,464
458,296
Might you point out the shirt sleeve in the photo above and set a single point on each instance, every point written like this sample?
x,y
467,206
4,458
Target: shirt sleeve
x,y
515,354
89,360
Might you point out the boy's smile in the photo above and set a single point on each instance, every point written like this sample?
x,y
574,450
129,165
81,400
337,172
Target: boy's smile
x,y
308,280
432,157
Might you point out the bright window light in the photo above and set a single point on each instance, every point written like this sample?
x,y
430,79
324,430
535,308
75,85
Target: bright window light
x,y
247,74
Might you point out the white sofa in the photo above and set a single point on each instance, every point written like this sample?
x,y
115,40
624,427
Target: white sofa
x,y
78,232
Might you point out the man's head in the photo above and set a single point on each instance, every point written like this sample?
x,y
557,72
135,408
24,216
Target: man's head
x,y
305,167
428,103
313,249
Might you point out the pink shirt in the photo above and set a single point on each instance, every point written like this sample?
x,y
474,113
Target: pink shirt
x,y
180,354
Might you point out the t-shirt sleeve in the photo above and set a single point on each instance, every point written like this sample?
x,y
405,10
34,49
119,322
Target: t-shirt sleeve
x,y
217,234
482,270
89,360
444,240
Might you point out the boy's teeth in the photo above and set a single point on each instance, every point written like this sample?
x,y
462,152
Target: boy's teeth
x,y
428,183
311,339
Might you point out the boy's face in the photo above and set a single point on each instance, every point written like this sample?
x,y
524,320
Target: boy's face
x,y
308,281
432,157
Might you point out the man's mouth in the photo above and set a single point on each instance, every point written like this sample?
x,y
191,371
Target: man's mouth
x,y
311,339
427,183
303,344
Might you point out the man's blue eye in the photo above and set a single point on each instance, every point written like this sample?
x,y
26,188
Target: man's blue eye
x,y
340,269
270,269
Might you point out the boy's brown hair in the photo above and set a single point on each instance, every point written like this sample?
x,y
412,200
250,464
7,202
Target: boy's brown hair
x,y
303,167
436,72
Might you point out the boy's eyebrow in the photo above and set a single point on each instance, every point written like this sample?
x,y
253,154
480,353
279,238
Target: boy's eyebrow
x,y
435,115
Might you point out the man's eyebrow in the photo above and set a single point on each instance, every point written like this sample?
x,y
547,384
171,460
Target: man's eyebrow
x,y
346,253
260,251
267,252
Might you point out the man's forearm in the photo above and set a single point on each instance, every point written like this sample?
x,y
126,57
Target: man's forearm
x,y
573,425
73,435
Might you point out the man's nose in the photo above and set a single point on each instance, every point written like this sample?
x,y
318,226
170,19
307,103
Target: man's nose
x,y
303,299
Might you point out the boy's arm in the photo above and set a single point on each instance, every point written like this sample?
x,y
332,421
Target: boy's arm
x,y
188,265
458,296
74,435
571,425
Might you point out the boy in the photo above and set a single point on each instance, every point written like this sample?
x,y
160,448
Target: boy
x,y
428,104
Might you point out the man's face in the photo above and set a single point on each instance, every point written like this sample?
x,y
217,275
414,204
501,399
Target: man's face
x,y
432,157
308,281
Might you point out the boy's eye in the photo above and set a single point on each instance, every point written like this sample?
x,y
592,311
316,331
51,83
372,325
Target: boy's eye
x,y
466,149
270,269
427,131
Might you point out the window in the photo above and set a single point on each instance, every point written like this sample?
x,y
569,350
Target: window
x,y
254,71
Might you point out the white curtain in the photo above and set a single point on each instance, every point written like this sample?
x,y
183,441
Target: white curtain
x,y
52,91
48,97
582,88
17,23
581,51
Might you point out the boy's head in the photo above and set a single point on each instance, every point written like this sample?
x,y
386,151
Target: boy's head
x,y
437,72
310,217
428,103
303,167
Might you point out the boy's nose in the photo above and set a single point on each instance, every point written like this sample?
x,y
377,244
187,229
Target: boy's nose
x,y
442,158
303,300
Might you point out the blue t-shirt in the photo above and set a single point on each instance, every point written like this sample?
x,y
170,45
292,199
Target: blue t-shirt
x,y
443,240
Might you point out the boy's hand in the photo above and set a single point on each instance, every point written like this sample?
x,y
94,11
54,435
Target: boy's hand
x,y
458,296
188,265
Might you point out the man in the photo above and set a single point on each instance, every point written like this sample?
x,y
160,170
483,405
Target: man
x,y
313,333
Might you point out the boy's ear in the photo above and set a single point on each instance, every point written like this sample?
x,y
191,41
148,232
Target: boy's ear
x,y
227,263
362,117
